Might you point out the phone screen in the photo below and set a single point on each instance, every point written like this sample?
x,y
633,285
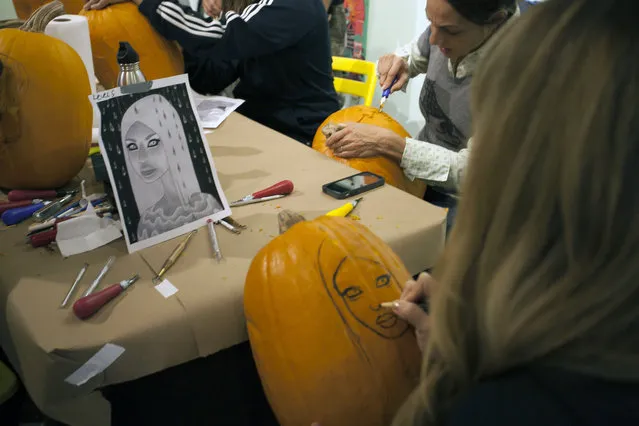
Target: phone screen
x,y
353,183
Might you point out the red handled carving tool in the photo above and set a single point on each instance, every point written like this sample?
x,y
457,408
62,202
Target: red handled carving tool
x,y
21,195
273,192
89,305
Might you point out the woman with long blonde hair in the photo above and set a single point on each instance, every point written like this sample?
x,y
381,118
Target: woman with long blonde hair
x,y
535,318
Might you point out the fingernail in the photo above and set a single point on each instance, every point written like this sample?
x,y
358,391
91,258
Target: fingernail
x,y
390,305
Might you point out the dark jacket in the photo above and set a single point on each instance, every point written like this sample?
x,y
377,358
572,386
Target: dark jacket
x,y
279,50
548,397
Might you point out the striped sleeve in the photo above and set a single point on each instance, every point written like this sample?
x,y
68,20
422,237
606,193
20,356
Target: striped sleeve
x,y
180,23
266,27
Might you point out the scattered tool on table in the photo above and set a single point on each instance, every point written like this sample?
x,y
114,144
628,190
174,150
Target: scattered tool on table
x,y
52,209
8,205
239,203
214,243
234,223
21,195
89,305
74,286
101,275
346,209
228,226
19,214
173,257
386,93
273,192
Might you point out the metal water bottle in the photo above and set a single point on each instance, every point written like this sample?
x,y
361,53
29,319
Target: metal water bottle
x,y
129,62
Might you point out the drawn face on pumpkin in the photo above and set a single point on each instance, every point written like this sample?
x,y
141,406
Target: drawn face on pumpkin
x,y
144,148
360,285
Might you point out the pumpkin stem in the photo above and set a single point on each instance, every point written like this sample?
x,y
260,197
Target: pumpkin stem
x,y
38,21
288,218
11,23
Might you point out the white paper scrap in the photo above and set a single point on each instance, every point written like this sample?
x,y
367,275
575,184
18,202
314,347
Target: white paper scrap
x,y
166,289
96,364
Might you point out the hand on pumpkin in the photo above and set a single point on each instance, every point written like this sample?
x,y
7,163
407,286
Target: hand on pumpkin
x,y
356,140
408,308
101,4
389,67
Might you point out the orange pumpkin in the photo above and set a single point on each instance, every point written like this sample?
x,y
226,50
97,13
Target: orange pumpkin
x,y
324,348
45,112
382,166
24,8
159,57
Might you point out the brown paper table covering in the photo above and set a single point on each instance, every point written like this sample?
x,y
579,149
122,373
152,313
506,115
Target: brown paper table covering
x,y
47,344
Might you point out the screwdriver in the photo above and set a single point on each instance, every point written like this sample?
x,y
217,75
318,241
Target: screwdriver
x,y
284,187
89,305
8,205
17,215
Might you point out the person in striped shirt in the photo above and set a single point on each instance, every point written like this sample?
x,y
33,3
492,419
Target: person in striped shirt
x,y
278,49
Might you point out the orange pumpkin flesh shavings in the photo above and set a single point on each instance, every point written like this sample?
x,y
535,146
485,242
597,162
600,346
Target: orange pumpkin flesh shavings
x,y
45,112
324,348
159,58
382,166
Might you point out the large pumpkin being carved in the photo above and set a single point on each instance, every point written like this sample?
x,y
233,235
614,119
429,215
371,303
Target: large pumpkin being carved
x,y
325,349
379,165
159,57
24,8
45,112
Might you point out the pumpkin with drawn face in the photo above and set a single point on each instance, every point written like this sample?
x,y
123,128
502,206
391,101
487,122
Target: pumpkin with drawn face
x,y
325,348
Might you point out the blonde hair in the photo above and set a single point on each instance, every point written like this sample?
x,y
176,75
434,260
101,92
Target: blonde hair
x,y
542,267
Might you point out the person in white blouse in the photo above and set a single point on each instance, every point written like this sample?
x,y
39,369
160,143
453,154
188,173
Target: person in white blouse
x,y
447,52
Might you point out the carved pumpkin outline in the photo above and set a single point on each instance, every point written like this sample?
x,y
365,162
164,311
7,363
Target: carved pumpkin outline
x,y
395,327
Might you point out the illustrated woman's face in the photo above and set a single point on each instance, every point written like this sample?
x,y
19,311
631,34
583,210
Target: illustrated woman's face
x,y
362,299
144,148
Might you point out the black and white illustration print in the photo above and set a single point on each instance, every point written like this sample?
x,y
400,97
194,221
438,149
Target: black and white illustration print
x,y
159,163
213,110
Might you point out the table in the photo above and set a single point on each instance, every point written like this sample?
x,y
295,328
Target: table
x,y
46,344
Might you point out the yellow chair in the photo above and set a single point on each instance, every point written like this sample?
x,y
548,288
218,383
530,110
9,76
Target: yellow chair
x,y
364,89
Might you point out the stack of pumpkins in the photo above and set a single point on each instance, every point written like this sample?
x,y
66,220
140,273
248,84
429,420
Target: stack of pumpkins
x,y
45,112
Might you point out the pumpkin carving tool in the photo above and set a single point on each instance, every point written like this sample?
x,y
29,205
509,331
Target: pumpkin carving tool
x,y
345,210
214,243
273,192
386,93
173,257
88,305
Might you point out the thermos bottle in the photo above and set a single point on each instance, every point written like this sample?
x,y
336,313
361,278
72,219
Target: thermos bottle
x,y
129,62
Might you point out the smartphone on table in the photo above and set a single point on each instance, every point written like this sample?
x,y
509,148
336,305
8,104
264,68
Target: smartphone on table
x,y
353,185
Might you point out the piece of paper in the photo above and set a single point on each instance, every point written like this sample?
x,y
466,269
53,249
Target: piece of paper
x,y
96,364
213,110
166,289
86,233
158,160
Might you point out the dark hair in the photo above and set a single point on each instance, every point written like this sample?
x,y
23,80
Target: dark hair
x,y
481,11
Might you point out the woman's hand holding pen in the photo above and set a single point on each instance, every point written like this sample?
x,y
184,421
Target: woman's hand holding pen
x,y
408,306
389,67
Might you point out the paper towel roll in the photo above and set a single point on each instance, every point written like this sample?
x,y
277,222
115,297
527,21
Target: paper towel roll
x,y
74,31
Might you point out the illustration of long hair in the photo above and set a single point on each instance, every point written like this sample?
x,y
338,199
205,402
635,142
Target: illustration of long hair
x,y
157,113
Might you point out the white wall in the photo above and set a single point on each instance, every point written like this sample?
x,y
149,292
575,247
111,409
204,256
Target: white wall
x,y
394,23
7,10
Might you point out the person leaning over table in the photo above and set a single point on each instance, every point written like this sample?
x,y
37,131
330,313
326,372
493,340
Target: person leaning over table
x,y
534,317
279,50
448,53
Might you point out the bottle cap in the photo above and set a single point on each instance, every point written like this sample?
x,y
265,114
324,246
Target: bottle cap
x,y
126,54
